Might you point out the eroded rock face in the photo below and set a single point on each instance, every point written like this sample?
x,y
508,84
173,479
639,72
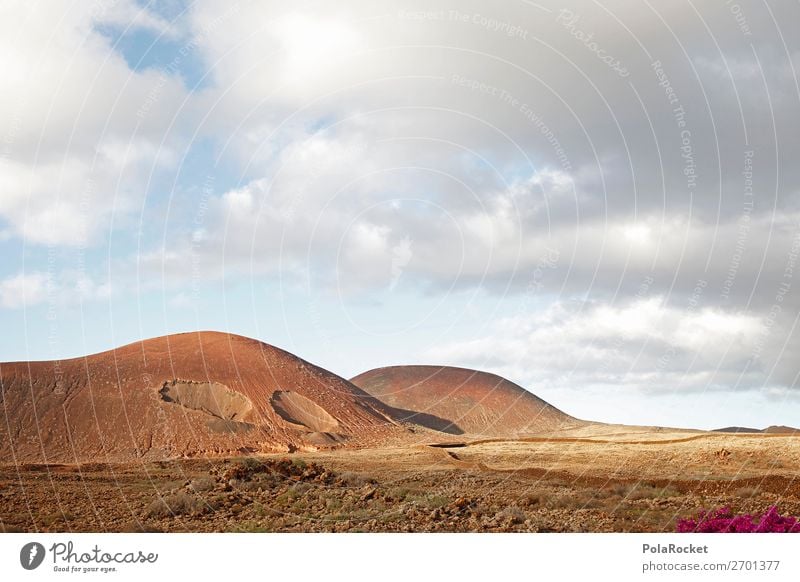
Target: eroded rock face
x,y
299,410
210,397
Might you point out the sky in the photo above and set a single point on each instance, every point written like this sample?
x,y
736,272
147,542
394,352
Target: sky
x,y
598,200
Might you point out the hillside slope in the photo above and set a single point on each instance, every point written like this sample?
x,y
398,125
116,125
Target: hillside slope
x,y
190,394
462,401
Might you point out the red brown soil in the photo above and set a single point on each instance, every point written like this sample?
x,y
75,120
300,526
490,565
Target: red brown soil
x,y
184,395
531,485
462,401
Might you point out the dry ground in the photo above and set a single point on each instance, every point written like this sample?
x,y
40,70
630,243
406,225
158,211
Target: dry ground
x,y
596,480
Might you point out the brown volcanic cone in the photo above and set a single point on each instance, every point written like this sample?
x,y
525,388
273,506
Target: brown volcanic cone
x,y
458,401
181,395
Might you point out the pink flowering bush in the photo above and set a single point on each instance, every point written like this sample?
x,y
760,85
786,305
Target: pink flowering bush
x,y
723,521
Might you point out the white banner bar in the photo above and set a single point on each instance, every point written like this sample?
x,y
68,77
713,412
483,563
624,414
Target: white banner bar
x,y
355,557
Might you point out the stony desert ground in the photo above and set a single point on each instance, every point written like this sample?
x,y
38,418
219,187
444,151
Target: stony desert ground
x,y
215,432
616,480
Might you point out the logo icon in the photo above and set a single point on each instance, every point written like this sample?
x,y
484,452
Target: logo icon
x,y
31,555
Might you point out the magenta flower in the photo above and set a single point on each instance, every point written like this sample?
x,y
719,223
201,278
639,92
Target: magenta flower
x,y
723,521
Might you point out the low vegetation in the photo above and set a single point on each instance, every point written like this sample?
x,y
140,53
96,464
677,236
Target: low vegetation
x,y
327,493
725,521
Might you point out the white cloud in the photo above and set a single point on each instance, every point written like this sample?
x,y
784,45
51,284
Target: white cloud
x,y
69,202
23,290
75,150
337,113
33,288
239,203
311,46
645,345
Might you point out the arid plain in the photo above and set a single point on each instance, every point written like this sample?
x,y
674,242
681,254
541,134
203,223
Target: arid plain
x,y
215,432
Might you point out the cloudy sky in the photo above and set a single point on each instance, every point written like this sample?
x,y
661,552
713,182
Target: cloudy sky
x,y
599,200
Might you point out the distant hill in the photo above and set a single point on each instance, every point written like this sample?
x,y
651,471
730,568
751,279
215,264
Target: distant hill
x,y
462,401
781,430
738,429
768,430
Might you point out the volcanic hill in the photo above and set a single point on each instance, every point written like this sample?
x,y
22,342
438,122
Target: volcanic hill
x,y
462,401
774,429
192,394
